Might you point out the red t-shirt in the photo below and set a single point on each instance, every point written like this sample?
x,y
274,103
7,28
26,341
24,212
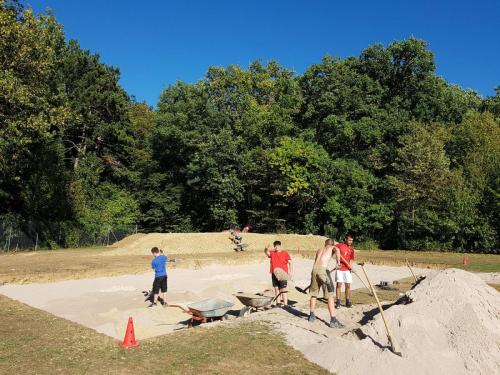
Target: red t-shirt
x,y
279,259
347,253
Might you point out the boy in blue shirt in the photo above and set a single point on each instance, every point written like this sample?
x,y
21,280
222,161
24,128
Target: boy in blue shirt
x,y
159,264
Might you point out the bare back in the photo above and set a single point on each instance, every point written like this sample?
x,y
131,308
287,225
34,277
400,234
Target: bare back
x,y
323,255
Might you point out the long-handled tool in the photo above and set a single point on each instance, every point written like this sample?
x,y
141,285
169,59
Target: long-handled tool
x,y
330,280
389,335
359,277
415,277
329,272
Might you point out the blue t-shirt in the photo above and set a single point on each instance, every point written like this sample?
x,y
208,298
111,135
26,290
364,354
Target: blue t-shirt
x,y
159,264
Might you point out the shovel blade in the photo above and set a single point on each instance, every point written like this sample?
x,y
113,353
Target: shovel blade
x,y
304,291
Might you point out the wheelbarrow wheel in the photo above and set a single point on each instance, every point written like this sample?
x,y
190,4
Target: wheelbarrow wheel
x,y
245,310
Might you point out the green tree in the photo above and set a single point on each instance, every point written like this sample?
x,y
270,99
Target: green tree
x,y
214,183
353,204
33,112
422,184
474,150
492,103
299,179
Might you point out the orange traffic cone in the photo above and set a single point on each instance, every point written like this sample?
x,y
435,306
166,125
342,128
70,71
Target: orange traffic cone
x,y
129,339
465,262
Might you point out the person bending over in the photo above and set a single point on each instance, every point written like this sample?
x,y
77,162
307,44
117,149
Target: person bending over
x,y
321,278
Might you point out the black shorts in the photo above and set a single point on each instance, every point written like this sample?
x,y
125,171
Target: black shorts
x,y
160,283
281,284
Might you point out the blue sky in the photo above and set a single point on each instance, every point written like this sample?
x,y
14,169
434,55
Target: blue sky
x,y
155,43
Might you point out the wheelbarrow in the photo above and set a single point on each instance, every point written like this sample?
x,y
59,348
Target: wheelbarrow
x,y
207,310
254,302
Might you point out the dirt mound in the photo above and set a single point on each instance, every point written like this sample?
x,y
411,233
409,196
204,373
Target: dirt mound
x,y
129,240
182,243
451,325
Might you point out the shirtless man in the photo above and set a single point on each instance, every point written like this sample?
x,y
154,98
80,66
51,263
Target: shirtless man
x,y
319,278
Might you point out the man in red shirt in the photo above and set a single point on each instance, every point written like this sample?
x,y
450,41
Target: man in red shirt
x,y
343,274
281,270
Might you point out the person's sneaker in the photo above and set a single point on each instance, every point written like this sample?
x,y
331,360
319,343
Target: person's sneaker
x,y
311,317
337,304
348,303
334,323
152,304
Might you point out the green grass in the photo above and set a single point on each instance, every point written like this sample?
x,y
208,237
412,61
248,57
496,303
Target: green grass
x,y
424,259
36,342
433,259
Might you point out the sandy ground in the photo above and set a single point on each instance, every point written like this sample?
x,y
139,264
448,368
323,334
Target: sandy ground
x,y
451,325
198,243
104,304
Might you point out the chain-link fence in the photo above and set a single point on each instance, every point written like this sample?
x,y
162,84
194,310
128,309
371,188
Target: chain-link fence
x,y
16,236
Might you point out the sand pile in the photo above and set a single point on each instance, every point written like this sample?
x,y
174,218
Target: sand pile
x,y
451,326
189,243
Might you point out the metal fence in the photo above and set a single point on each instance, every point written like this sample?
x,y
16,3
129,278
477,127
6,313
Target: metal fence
x,y
15,236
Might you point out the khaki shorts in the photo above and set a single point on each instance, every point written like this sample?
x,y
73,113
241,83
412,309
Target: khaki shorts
x,y
320,279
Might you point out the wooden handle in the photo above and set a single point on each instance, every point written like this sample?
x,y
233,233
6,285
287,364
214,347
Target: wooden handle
x,y
415,277
359,277
389,335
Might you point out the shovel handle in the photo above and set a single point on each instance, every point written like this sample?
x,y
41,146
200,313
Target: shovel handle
x,y
389,335
359,277
415,277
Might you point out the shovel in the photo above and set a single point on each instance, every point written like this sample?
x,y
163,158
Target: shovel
x,y
359,277
303,290
330,280
329,274
415,277
389,335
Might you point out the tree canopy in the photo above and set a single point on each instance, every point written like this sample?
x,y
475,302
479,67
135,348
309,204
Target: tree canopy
x,y
377,145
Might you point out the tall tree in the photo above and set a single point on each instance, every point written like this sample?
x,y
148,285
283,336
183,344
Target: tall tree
x,y
33,113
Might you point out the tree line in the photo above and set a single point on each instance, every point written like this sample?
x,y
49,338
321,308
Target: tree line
x,y
377,145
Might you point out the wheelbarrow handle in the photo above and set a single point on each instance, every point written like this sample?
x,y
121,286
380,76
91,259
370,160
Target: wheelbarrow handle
x,y
279,294
182,308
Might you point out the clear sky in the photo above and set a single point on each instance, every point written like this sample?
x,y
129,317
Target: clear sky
x,y
157,42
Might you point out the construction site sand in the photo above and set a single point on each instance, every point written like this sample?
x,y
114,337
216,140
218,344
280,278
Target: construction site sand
x,y
196,243
451,326
105,303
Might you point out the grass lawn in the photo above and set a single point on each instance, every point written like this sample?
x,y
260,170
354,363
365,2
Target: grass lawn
x,y
433,259
36,342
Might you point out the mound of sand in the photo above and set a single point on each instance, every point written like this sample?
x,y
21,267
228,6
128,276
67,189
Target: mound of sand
x,y
451,326
189,243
